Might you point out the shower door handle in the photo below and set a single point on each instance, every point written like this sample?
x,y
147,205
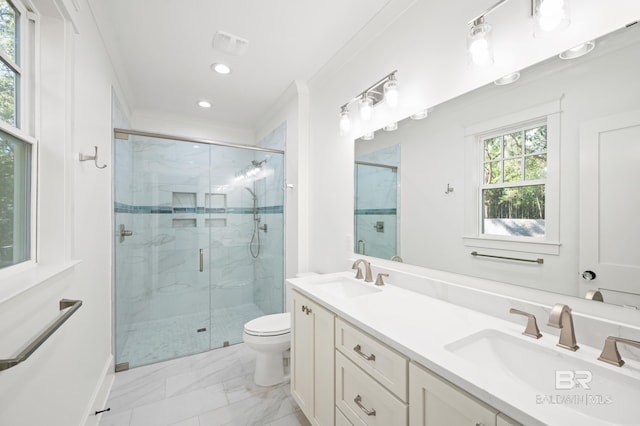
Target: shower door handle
x,y
201,260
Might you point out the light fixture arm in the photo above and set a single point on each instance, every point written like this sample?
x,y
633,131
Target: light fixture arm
x,y
369,89
486,12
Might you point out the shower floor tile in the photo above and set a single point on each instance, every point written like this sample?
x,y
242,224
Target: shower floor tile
x,y
160,340
207,389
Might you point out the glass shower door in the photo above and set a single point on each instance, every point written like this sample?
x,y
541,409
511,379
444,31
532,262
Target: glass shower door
x,y
161,277
199,244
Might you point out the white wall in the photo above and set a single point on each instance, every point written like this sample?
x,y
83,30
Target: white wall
x,y
58,384
427,47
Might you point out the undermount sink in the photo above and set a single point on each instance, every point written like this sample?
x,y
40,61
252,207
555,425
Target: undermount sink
x,y
599,392
346,288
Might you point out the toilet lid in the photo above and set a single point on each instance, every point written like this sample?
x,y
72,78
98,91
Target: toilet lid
x,y
269,325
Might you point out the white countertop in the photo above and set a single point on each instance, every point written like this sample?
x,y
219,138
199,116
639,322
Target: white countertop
x,y
420,327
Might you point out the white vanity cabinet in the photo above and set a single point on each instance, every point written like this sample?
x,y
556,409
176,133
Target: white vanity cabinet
x,y
312,360
435,402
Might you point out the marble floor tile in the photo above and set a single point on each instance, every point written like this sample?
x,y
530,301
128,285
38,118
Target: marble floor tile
x,y
207,389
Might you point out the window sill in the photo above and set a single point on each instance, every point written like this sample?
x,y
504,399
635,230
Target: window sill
x,y
14,284
535,247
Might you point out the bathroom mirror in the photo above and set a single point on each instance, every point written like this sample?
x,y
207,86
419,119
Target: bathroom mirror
x,y
428,225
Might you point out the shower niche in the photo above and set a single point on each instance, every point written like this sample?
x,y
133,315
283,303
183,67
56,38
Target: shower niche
x,y
197,266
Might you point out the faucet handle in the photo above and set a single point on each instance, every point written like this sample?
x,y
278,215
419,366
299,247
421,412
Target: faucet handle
x,y
379,280
532,329
610,352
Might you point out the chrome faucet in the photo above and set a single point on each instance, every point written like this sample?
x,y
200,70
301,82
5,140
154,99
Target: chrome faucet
x,y
561,318
367,270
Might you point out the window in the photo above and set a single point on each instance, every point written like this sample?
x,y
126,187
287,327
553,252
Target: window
x,y
16,145
513,182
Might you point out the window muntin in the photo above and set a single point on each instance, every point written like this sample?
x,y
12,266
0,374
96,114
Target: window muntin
x,y
513,184
15,200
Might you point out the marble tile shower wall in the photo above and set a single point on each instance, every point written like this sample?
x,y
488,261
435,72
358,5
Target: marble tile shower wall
x,y
377,201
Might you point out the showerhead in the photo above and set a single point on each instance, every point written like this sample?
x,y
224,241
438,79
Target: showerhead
x,y
258,164
253,194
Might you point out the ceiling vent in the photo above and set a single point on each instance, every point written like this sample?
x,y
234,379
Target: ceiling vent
x,y
229,43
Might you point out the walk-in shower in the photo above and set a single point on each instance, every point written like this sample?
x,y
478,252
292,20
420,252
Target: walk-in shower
x,y
193,259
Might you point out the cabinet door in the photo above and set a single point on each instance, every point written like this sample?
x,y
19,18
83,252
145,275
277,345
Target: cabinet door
x,y
324,366
312,360
302,354
435,402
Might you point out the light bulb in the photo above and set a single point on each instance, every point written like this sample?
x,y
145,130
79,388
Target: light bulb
x,y
479,43
345,121
221,68
391,91
550,16
366,108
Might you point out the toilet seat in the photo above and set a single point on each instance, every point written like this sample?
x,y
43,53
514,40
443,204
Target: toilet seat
x,y
269,325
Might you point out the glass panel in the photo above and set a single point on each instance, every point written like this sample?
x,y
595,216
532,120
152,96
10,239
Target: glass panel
x,y
513,144
9,30
536,140
493,148
8,94
535,167
161,298
513,170
492,172
514,211
15,200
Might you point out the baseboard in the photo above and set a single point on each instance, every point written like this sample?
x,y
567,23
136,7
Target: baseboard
x,y
100,394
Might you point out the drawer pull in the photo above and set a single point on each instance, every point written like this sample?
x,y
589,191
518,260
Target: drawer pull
x,y
358,402
358,350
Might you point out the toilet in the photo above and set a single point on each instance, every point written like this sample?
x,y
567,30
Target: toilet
x,y
269,336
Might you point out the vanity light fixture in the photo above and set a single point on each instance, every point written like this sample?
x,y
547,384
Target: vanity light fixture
x,y
385,89
366,107
221,68
579,50
204,104
507,79
345,121
391,91
549,16
479,43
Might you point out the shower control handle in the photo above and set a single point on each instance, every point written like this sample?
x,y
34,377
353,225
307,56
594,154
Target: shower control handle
x,y
201,260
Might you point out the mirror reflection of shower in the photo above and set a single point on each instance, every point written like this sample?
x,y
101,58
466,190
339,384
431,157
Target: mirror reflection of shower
x,y
253,172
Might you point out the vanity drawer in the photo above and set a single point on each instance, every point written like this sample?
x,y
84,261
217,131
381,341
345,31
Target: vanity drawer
x,y
384,364
362,400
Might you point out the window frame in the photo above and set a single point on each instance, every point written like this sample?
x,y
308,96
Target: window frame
x,y
549,114
26,116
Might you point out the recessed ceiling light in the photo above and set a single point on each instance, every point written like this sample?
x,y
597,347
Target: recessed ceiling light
x,y
221,68
507,79
420,114
204,104
391,127
579,50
